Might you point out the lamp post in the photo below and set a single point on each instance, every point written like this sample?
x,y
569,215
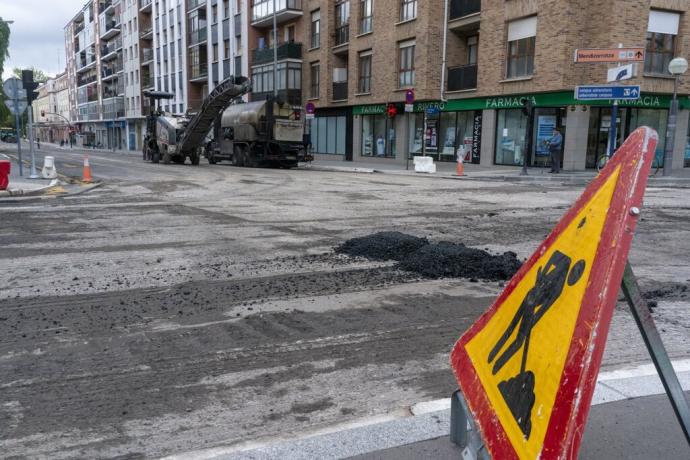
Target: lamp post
x,y
676,67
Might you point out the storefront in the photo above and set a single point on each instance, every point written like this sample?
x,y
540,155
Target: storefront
x,y
428,130
329,132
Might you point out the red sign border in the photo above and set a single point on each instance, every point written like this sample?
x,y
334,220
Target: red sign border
x,y
568,418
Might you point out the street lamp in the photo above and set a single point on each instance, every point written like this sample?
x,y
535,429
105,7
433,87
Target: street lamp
x,y
676,67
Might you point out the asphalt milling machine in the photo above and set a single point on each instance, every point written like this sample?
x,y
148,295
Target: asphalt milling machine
x,y
269,132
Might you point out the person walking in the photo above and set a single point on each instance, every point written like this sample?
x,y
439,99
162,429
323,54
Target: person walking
x,y
555,143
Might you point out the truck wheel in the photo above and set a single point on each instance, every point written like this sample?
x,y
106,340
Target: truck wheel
x,y
166,158
237,156
211,159
195,158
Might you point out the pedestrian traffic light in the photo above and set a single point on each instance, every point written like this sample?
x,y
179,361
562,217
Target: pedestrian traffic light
x,y
29,85
527,105
391,110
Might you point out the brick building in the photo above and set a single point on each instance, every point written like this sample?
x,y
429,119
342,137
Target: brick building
x,y
364,55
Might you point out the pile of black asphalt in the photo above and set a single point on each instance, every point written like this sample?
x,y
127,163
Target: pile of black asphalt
x,y
433,260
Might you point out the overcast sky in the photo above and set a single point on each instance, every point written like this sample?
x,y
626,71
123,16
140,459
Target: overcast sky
x,y
37,35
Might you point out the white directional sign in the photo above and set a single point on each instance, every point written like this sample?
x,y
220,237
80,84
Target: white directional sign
x,y
624,72
21,106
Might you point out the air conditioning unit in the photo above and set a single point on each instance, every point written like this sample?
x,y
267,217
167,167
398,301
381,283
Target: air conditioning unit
x,y
340,74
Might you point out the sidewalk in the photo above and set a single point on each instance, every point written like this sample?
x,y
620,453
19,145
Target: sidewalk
x,y
631,418
22,185
446,170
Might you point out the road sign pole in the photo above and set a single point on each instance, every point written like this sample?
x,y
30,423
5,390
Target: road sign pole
x,y
656,349
671,131
33,174
19,129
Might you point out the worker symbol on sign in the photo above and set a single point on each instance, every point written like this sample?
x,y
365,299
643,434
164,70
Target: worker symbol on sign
x,y
518,391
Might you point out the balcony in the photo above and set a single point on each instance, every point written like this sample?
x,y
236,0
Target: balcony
x,y
112,28
197,36
109,51
85,63
81,81
340,91
146,34
290,96
146,55
464,15
105,6
342,34
462,78
146,82
78,28
285,51
145,6
285,10
198,73
194,4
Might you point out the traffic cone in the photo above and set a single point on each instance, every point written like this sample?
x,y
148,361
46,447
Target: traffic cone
x,y
460,169
86,175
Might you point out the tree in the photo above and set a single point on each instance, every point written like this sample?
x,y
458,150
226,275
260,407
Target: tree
x,y
39,75
4,42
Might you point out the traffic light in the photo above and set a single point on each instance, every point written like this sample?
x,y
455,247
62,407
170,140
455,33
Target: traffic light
x,y
43,113
29,85
391,110
527,106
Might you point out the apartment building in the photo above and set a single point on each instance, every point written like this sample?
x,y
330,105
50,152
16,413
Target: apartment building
x,y
51,110
366,57
227,47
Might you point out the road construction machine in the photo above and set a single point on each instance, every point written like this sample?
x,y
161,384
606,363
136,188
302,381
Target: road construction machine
x,y
174,138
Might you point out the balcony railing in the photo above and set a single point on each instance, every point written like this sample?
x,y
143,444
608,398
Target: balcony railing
x,y
191,4
144,3
146,55
146,33
197,36
81,81
342,34
463,77
340,91
85,61
461,8
199,71
264,9
285,51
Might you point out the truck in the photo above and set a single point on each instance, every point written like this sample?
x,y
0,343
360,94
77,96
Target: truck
x,y
267,132
174,138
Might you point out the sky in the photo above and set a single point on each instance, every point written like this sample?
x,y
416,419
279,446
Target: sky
x,y
37,35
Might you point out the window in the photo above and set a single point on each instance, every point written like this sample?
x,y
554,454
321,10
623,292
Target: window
x,y
328,135
315,77
226,48
406,64
472,49
408,10
521,43
364,72
215,52
290,34
214,14
511,129
316,29
378,136
342,22
661,37
365,13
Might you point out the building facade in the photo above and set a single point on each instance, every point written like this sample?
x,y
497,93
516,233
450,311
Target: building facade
x,y
94,56
366,57
51,110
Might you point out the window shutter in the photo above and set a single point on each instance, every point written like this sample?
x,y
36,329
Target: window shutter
x,y
522,28
663,22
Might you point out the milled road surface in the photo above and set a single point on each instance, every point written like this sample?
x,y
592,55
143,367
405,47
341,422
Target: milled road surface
x,y
179,308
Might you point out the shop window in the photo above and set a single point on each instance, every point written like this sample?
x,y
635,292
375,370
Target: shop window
x,y
511,128
408,10
378,136
406,63
328,135
521,45
661,36
364,85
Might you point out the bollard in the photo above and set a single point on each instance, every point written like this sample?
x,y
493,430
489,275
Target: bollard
x,y
49,171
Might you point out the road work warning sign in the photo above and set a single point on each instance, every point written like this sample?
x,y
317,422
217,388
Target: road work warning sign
x,y
528,366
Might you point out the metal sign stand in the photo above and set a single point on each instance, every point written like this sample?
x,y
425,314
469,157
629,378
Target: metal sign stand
x,y
463,429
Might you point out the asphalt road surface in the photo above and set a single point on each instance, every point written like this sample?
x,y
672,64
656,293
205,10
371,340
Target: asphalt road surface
x,y
178,308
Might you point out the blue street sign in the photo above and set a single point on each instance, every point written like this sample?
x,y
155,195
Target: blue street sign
x,y
585,93
432,110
